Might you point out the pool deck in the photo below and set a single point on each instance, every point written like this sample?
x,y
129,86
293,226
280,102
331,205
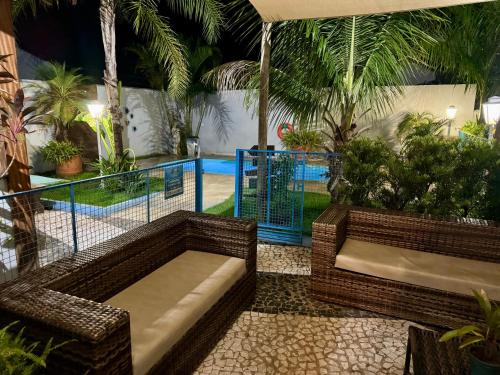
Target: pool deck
x,y
216,189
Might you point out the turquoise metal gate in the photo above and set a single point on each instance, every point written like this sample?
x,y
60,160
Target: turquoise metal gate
x,y
271,186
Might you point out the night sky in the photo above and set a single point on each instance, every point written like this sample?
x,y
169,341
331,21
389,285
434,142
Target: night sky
x,y
72,34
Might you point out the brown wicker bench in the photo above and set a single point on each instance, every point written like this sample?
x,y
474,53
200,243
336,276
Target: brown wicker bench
x,y
345,229
74,298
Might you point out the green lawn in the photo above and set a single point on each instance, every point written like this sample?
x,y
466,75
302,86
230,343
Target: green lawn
x,y
93,193
314,205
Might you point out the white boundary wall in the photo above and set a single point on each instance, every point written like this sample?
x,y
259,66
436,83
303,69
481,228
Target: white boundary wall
x,y
146,133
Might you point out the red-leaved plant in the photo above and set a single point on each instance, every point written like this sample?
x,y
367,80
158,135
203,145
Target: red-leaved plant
x,y
14,118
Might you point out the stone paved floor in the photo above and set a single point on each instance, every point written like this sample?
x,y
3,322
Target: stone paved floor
x,y
286,331
284,259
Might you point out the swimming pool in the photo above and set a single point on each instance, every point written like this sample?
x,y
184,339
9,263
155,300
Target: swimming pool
x,y
313,172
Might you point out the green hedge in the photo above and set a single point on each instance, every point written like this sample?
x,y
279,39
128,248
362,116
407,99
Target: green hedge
x,y
430,174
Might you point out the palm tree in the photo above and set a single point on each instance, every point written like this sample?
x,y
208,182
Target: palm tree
x,y
160,39
331,72
196,103
158,36
469,49
61,95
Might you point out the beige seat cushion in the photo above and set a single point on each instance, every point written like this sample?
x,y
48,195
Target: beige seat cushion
x,y
420,268
167,302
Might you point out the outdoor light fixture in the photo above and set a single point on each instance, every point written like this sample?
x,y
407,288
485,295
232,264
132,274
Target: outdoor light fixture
x,y
95,109
491,112
451,113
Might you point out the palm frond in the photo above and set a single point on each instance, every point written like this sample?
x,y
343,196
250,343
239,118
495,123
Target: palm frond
x,y
61,93
469,46
207,12
149,67
20,7
244,22
162,42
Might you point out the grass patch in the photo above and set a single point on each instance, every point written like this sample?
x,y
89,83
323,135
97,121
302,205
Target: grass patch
x,y
225,208
112,192
314,205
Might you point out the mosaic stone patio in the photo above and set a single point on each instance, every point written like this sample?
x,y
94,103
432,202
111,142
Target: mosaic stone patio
x,y
294,260
286,331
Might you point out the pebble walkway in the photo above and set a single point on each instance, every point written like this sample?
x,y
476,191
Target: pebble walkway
x,y
286,331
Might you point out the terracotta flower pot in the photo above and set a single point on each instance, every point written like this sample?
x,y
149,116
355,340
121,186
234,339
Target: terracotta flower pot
x,y
70,168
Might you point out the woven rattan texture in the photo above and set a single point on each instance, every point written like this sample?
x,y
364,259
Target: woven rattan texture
x,y
431,357
63,300
479,241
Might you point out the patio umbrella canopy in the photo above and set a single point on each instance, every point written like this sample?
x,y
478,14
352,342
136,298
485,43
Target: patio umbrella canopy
x,y
282,10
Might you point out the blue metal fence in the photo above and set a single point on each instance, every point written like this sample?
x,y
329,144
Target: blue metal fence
x,y
281,189
55,221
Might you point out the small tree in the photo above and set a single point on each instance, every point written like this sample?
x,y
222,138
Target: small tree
x,y
61,95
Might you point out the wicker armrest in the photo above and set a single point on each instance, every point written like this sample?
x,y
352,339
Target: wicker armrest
x,y
328,234
223,235
100,333
62,314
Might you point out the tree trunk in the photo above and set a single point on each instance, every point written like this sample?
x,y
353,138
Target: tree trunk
x,y
265,60
23,222
107,17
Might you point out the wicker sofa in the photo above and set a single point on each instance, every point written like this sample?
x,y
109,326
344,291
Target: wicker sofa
x,y
403,265
153,300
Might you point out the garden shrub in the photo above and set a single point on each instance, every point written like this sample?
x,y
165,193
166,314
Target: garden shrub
x,y
477,128
363,170
303,139
430,174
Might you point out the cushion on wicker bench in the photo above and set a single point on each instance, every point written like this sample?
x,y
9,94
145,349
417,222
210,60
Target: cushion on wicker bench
x,y
166,303
431,270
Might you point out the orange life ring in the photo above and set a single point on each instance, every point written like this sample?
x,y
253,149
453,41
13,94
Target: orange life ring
x,y
284,128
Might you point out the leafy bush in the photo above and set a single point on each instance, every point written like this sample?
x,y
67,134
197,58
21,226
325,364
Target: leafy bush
x,y
417,124
430,174
130,183
477,128
17,357
307,140
59,152
363,161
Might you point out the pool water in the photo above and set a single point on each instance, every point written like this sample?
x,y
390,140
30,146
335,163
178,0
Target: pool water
x,y
44,181
313,172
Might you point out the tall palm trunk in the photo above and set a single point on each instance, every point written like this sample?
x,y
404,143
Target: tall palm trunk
x,y
23,224
265,61
107,18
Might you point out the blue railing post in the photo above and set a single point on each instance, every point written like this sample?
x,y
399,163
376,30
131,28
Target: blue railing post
x,y
148,193
198,185
238,183
269,159
294,157
303,195
73,217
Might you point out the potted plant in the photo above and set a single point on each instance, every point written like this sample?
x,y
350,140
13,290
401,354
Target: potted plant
x,y
303,140
19,357
65,155
482,339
